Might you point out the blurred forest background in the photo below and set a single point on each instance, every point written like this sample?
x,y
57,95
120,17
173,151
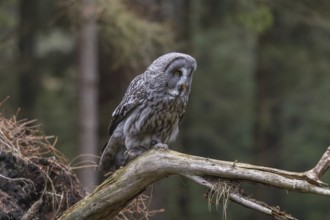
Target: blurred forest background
x,y
261,93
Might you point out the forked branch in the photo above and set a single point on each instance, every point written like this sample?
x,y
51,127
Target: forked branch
x,y
321,167
116,192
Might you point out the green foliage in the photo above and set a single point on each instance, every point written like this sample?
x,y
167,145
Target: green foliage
x,y
130,41
7,18
258,18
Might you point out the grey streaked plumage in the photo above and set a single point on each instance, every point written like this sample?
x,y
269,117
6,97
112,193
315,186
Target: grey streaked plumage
x,y
150,111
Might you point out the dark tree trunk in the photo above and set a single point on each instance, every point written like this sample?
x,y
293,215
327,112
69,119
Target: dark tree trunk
x,y
267,115
28,78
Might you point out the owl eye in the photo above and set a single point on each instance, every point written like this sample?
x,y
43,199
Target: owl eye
x,y
178,73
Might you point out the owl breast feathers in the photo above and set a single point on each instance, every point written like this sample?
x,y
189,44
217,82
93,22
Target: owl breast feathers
x,y
150,111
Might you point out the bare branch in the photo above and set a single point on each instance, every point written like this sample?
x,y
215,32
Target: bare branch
x,y
321,167
116,192
245,201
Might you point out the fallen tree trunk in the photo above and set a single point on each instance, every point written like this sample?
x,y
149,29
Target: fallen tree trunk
x,y
118,190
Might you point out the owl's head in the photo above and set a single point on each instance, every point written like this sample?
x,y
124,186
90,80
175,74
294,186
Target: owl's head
x,y
172,74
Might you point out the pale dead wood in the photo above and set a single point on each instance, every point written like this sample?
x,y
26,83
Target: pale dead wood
x,y
321,167
125,184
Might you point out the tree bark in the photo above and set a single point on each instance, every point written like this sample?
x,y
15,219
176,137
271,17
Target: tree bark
x,y
267,127
87,91
125,184
29,79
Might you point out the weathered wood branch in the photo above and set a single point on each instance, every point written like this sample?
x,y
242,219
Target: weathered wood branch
x,y
321,167
246,201
116,192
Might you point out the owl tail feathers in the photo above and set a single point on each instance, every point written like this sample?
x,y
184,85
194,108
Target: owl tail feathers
x,y
106,163
112,156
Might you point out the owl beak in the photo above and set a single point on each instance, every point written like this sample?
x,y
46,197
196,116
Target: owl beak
x,y
183,86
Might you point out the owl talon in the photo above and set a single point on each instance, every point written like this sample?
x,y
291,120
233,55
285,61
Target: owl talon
x,y
153,143
161,146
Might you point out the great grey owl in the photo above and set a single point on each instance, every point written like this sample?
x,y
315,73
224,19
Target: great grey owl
x,y
151,110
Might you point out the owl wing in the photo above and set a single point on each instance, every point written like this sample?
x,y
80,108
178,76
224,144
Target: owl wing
x,y
134,96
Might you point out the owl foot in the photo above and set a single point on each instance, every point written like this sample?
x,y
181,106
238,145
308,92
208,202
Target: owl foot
x,y
158,145
161,146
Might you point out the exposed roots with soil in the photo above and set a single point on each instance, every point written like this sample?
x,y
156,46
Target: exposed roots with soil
x,y
35,180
